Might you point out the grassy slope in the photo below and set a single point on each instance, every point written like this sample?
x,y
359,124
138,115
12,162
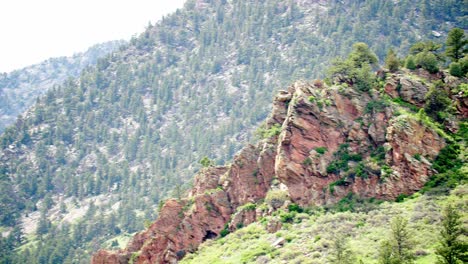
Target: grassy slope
x,y
310,239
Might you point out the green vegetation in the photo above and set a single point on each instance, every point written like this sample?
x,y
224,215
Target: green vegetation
x,y
130,132
452,249
340,253
410,64
356,69
426,55
307,161
20,88
456,44
315,237
342,157
248,207
405,104
206,162
401,241
437,102
456,69
353,203
450,164
276,198
391,61
340,182
321,150
376,106
274,130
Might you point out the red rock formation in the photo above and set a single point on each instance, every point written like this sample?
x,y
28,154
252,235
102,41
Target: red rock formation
x,y
318,124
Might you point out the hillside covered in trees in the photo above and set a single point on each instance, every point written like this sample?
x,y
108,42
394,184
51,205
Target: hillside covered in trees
x,y
93,158
19,89
345,144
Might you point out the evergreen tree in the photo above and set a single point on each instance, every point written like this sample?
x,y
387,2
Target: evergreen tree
x,y
452,250
386,253
455,69
401,240
391,61
397,250
409,63
456,44
341,254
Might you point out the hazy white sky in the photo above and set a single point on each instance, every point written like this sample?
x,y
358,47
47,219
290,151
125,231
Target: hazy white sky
x,y
35,30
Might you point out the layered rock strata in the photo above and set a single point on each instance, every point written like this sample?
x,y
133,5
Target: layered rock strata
x,y
325,142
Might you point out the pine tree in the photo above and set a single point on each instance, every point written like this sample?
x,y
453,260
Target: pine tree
x,y
402,240
452,250
341,254
391,61
456,44
397,250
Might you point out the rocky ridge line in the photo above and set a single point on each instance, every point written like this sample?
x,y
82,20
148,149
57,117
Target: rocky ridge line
x,y
319,127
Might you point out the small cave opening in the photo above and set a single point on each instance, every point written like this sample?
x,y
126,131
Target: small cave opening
x,y
209,235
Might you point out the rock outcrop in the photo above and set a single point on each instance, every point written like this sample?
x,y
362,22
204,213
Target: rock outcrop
x,y
330,141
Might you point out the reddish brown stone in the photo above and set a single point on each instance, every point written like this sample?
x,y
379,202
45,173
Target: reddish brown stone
x,y
292,157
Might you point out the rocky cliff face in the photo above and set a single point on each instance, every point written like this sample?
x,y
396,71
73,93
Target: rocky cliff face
x,y
324,142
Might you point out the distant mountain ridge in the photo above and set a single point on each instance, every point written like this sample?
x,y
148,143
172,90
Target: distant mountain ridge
x,y
20,88
92,159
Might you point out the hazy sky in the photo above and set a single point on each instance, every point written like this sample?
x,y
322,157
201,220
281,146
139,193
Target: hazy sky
x,y
35,30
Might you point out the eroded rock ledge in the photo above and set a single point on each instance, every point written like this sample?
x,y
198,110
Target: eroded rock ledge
x,y
331,141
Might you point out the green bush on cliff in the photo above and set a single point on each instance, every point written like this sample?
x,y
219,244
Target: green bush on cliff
x,y
437,102
455,69
427,61
356,69
276,198
263,132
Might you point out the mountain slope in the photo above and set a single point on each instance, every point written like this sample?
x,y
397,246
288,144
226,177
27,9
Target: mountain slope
x,y
20,88
325,144
126,133
310,237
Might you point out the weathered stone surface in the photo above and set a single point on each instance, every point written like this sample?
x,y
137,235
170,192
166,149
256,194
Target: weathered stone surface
x,y
206,179
313,132
412,91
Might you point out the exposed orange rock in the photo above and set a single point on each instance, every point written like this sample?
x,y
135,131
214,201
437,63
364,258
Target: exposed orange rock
x,y
315,123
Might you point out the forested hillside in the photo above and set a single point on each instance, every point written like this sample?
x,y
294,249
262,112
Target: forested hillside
x,y
92,158
19,89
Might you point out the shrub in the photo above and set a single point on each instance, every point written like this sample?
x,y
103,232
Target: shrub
x,y
276,198
248,207
455,69
225,231
391,61
410,64
361,171
255,251
307,161
321,150
437,100
295,208
464,65
206,162
377,106
269,132
379,153
339,182
342,157
427,61
401,197
287,217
